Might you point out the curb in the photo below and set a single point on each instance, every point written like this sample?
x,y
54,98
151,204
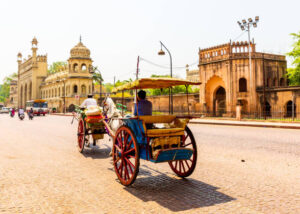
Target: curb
x,y
249,125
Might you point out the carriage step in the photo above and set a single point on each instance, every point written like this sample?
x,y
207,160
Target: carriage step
x,y
173,154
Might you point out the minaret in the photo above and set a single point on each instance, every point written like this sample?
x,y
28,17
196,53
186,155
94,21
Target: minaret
x,y
19,58
34,47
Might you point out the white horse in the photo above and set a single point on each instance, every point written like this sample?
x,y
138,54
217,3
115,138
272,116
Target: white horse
x,y
113,114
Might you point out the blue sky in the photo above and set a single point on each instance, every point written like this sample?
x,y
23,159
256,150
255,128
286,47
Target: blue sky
x,y
117,31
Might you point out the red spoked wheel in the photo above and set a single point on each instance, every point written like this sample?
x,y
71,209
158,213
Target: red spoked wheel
x,y
184,168
126,156
81,135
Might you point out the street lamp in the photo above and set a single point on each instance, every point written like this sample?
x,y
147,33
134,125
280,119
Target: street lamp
x,y
92,71
247,26
161,53
64,94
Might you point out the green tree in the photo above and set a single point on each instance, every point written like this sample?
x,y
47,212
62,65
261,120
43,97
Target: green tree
x,y
294,73
56,66
5,87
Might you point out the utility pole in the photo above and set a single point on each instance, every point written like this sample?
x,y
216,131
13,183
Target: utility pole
x,y
246,26
137,68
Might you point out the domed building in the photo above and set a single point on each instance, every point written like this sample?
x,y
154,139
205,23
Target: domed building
x,y
72,83
62,89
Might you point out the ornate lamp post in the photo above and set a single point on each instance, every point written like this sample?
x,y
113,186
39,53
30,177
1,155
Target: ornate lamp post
x,y
161,52
247,26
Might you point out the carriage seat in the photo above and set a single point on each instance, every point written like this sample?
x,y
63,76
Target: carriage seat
x,y
170,129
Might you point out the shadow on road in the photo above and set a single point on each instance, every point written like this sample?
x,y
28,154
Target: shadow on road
x,y
175,194
97,153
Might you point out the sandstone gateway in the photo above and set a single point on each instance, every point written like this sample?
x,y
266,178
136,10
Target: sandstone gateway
x,y
227,82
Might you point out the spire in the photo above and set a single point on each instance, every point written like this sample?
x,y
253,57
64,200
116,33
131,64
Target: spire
x,y
80,39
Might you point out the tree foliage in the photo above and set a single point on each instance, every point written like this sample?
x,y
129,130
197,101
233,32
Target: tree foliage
x,y
56,66
5,87
294,73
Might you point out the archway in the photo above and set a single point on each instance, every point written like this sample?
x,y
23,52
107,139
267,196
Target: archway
x,y
219,102
25,96
211,87
289,109
21,96
30,91
267,109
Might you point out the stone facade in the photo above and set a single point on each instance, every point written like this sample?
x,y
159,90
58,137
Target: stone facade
x,y
227,80
70,85
13,94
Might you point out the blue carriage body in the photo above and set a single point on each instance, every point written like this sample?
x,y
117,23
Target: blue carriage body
x,y
143,142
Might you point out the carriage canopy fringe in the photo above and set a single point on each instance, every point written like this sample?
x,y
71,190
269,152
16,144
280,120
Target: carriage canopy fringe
x,y
145,83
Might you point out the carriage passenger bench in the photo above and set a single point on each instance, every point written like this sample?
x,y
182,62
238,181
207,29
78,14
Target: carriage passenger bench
x,y
165,142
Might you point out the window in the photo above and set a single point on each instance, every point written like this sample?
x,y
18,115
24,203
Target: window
x,y
282,81
75,67
83,89
83,67
75,89
242,85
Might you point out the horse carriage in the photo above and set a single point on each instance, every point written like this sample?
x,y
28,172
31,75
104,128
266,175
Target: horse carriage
x,y
157,138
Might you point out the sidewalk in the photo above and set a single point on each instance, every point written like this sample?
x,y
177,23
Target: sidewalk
x,y
228,122
247,123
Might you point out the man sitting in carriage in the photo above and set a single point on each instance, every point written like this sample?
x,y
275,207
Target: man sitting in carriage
x,y
144,106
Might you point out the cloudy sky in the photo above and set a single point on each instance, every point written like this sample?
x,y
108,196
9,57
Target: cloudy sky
x,y
117,31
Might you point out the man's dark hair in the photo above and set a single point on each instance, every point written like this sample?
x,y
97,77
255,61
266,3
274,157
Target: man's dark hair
x,y
90,96
142,94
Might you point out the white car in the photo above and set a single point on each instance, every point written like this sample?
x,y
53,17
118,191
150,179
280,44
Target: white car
x,y
4,110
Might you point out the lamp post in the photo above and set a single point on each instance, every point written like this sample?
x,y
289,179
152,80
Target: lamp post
x,y
246,25
161,52
92,71
64,94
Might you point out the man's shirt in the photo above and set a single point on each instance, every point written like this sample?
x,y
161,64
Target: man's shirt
x,y
21,111
144,108
89,102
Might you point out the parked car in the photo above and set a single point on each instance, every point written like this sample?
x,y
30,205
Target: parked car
x,y
4,110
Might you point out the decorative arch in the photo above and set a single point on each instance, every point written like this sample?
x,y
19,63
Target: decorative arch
x,y
83,67
211,87
75,67
275,82
83,89
282,81
30,91
289,109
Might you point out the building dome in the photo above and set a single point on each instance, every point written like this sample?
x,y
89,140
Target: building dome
x,y
80,51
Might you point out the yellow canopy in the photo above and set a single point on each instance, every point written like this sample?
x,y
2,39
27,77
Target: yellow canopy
x,y
153,83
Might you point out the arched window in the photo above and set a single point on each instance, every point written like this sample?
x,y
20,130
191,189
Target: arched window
x,y
269,82
233,50
275,82
242,85
83,89
59,91
75,89
290,109
83,67
281,81
56,92
75,67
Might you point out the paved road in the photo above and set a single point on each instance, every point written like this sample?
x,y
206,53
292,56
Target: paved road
x,y
41,171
